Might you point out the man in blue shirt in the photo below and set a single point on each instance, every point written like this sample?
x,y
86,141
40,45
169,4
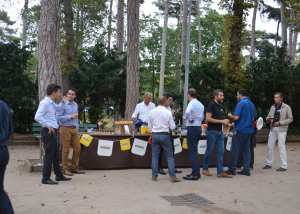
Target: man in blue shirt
x,y
243,128
194,115
6,130
45,116
68,121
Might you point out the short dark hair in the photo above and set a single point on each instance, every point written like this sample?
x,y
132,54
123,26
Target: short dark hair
x,y
280,94
52,88
73,89
161,100
243,92
216,92
192,92
167,95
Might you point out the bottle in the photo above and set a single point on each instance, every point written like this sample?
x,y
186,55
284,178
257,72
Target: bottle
x,y
179,127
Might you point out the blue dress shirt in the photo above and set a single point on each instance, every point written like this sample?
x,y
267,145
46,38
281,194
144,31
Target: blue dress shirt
x,y
195,110
64,116
45,114
6,125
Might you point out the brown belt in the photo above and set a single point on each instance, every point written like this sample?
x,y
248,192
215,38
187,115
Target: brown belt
x,y
72,127
164,133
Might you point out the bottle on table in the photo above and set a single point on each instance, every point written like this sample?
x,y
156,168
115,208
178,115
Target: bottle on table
x,y
179,127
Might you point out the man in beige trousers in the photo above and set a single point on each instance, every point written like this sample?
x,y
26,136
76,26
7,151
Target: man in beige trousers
x,y
280,116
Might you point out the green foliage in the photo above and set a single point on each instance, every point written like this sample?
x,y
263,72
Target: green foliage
x,y
6,32
16,87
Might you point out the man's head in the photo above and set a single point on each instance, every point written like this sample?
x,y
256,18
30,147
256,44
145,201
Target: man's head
x,y
242,93
71,94
161,100
218,95
169,98
148,97
53,91
191,94
278,97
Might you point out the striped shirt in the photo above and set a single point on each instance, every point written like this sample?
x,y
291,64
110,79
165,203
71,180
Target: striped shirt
x,y
6,125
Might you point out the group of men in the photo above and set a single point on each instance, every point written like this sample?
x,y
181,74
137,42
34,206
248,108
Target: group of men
x,y
160,121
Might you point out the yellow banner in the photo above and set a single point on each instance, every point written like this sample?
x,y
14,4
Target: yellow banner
x,y
184,144
125,144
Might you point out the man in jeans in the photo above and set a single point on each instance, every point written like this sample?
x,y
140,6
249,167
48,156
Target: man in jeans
x,y
160,123
6,130
280,116
243,129
214,134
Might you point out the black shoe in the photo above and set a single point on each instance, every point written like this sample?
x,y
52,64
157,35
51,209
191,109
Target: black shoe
x,y
244,173
191,177
199,176
230,172
162,172
49,181
178,171
62,178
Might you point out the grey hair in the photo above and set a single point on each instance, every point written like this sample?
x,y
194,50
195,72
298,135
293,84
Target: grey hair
x,y
147,94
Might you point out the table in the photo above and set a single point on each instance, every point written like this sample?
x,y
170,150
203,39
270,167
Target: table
x,y
126,159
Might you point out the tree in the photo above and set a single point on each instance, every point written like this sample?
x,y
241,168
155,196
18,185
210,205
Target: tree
x,y
120,27
252,52
24,34
199,31
283,25
49,65
184,39
109,22
6,32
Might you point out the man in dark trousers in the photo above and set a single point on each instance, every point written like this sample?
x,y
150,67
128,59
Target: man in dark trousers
x,y
45,116
6,130
243,129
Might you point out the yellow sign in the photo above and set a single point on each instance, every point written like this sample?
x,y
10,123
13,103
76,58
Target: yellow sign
x,y
86,139
184,144
125,144
145,130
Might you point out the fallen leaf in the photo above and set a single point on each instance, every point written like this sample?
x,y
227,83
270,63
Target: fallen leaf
x,y
7,193
20,173
250,203
40,185
19,160
235,200
172,204
66,200
169,189
43,204
30,149
90,183
92,207
65,192
280,181
74,189
104,175
22,161
270,182
211,202
84,197
11,148
298,162
231,192
207,210
105,179
99,190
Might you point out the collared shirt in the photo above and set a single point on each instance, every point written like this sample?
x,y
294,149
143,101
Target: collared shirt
x,y
143,111
246,111
161,120
45,114
277,113
6,125
195,110
64,117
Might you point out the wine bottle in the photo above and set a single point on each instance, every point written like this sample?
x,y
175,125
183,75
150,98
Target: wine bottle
x,y
179,127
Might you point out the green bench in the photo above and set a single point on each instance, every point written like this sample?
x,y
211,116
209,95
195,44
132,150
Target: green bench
x,y
36,127
83,126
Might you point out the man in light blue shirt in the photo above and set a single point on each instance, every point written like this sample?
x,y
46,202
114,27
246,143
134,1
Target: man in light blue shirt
x,y
68,122
45,115
194,115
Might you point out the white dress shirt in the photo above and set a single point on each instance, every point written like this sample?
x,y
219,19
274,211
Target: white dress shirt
x,y
195,110
160,120
143,111
45,114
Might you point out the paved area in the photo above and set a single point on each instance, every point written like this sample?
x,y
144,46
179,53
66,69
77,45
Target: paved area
x,y
132,191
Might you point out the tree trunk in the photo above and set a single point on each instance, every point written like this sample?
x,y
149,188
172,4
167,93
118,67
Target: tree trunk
x,y
133,49
276,39
199,31
283,25
25,23
109,22
177,71
294,47
291,32
163,50
120,27
67,82
49,65
252,51
184,39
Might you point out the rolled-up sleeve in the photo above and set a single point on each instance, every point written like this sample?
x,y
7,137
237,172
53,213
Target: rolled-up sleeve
x,y
61,117
136,111
59,107
39,116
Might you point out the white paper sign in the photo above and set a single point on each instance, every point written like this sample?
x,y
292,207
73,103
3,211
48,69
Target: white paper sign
x,y
177,146
139,147
202,145
105,147
229,142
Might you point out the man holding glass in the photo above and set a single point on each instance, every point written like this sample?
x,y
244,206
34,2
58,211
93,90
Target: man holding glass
x,y
68,121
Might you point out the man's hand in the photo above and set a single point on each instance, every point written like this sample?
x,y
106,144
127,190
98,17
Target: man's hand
x,y
226,122
73,116
276,124
229,115
64,99
183,117
133,118
174,112
270,118
51,130
192,121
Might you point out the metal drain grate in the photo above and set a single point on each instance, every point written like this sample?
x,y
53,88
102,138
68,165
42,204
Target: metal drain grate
x,y
188,199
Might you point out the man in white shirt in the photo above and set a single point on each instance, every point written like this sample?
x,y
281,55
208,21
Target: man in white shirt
x,y
143,109
160,123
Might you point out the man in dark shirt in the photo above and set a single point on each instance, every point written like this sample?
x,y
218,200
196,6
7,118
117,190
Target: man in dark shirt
x,y
6,130
214,134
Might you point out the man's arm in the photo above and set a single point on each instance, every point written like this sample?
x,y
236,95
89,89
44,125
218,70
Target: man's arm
x,y
212,120
61,117
171,122
135,113
39,116
237,112
150,123
59,107
188,111
289,115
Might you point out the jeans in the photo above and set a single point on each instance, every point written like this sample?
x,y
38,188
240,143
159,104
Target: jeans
x,y
158,142
51,154
240,141
161,152
214,138
240,162
193,137
5,204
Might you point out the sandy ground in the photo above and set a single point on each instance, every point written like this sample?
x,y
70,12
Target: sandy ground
x,y
132,191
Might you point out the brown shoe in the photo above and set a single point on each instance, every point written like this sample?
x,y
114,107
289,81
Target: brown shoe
x,y
77,171
67,172
224,175
154,179
281,169
267,167
175,180
206,172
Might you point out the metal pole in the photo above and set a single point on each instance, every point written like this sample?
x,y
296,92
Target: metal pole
x,y
186,78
